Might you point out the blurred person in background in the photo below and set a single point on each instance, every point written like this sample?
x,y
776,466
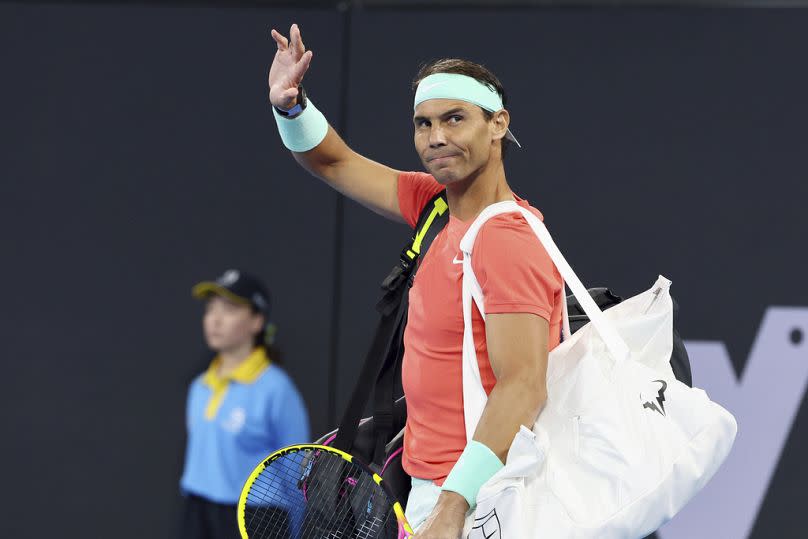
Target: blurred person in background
x,y
242,408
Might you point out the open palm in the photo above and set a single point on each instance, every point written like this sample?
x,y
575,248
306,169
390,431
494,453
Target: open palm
x,y
290,64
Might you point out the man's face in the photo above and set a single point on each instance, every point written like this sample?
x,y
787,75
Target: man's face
x,y
452,138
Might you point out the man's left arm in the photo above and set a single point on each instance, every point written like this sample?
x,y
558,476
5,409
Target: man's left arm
x,y
517,349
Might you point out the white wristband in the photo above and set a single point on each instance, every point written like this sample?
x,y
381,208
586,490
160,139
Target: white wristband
x,y
303,132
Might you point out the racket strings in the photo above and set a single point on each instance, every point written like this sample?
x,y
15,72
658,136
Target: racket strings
x,y
270,509
314,494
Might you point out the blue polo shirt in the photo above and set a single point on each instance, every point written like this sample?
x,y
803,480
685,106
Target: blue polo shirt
x,y
235,422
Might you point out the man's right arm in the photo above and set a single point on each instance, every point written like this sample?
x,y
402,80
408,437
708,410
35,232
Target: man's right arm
x,y
371,184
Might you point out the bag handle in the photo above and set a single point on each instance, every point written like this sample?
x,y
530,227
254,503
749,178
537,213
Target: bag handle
x,y
613,341
473,392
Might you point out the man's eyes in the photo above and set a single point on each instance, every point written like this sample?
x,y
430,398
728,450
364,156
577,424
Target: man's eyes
x,y
451,120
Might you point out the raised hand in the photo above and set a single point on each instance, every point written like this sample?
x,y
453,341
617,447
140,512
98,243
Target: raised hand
x,y
290,64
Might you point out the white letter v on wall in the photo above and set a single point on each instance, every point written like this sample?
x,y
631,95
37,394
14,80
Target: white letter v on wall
x,y
764,402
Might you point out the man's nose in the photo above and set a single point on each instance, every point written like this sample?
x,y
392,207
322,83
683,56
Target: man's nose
x,y
436,137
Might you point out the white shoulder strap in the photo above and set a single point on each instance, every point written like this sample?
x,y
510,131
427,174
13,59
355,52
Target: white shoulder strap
x,y
473,393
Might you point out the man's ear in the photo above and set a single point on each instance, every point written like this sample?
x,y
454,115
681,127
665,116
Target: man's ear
x,y
500,122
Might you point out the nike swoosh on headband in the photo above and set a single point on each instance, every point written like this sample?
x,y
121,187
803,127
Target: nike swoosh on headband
x,y
434,85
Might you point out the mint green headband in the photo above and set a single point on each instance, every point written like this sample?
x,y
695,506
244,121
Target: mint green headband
x,y
461,88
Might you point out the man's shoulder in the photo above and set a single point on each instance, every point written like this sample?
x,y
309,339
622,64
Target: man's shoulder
x,y
415,190
511,224
421,184
419,177
508,239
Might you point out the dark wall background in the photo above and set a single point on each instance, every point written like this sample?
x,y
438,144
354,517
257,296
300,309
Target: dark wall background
x,y
138,155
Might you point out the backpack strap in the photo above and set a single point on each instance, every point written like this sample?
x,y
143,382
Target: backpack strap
x,y
388,418
433,219
382,366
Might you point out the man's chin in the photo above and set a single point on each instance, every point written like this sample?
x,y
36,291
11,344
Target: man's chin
x,y
444,177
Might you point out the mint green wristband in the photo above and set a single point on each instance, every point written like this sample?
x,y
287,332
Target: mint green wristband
x,y
473,469
303,132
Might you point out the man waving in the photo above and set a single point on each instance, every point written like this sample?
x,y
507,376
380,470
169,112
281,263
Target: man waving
x,y
461,131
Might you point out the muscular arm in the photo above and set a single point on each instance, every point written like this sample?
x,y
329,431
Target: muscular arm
x,y
371,184
517,349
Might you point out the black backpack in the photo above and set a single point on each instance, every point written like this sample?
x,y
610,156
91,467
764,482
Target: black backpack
x,y
378,439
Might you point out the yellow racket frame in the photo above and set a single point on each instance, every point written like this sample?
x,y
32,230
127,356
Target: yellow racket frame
x,y
242,501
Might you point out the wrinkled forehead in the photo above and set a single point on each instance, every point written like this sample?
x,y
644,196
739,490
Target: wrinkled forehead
x,y
434,108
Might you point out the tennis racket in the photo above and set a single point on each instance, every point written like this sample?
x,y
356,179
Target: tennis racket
x,y
318,492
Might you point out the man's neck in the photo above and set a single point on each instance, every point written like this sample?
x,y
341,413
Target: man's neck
x,y
231,359
467,198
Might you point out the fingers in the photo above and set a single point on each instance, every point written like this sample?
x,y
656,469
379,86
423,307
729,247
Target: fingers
x,y
295,43
298,70
303,65
282,42
291,93
297,40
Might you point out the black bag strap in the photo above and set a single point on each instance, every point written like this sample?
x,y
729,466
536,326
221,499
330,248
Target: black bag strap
x,y
382,361
386,420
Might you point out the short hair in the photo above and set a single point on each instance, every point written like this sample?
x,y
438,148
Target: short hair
x,y
471,69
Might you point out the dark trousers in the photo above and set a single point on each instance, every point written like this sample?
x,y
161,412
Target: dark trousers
x,y
203,519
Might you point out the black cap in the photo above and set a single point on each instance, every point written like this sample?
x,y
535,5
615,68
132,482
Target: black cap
x,y
237,286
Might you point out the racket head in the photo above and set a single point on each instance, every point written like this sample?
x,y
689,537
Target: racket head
x,y
312,491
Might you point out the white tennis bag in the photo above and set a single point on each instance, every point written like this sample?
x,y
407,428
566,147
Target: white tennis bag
x,y
621,445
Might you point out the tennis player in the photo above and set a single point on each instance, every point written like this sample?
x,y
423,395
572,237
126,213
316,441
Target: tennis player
x,y
460,130
241,409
